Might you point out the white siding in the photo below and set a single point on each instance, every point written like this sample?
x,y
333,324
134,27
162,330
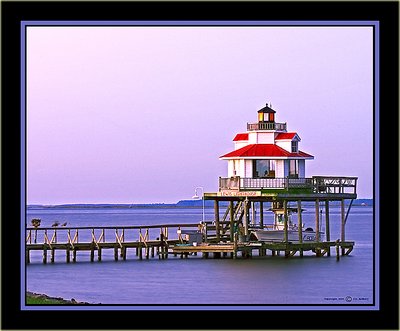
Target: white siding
x,y
261,137
252,138
240,144
265,137
286,145
279,169
230,168
241,169
248,168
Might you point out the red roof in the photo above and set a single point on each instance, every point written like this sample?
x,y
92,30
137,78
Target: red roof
x,y
241,136
286,135
264,150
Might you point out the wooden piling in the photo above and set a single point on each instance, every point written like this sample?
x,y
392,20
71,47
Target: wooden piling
x,y
52,255
253,213
342,227
261,214
99,254
327,226
140,252
74,255
231,220
285,222
45,255
337,250
300,225
116,253
216,216
317,219
67,255
246,217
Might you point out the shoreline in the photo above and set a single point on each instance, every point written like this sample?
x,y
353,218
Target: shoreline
x,y
43,299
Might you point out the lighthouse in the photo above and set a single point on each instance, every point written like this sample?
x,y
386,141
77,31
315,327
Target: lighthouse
x,y
267,151
267,167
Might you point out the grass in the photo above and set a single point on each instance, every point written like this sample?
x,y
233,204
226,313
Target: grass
x,y
42,299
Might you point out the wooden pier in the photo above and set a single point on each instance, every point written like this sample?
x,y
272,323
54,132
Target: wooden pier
x,y
137,241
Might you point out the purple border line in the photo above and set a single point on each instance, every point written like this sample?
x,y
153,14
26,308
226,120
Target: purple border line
x,y
198,23
376,160
23,163
25,24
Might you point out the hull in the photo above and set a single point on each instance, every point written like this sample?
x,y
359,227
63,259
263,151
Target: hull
x,y
293,236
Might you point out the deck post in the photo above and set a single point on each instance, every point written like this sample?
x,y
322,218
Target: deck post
x,y
342,228
246,217
231,219
285,222
67,255
261,214
327,226
216,215
74,255
99,254
300,225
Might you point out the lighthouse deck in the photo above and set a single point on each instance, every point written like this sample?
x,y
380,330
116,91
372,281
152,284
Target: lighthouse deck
x,y
316,186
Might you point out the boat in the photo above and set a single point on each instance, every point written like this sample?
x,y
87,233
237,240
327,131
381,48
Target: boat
x,y
275,232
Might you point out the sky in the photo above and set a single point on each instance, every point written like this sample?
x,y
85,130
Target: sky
x,y
142,114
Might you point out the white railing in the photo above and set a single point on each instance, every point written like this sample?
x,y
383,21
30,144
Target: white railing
x,y
318,184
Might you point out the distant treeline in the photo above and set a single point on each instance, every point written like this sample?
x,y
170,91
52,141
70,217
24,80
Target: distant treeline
x,y
179,204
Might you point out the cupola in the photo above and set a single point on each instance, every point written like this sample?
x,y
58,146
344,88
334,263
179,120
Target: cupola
x,y
266,114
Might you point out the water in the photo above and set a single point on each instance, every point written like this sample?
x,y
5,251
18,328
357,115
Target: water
x,y
257,281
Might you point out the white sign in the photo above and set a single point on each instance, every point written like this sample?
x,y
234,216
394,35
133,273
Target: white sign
x,y
227,193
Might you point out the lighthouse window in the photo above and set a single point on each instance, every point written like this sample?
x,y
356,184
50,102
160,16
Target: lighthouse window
x,y
263,168
295,146
294,168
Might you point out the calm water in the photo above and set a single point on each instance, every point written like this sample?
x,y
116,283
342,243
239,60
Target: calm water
x,y
266,280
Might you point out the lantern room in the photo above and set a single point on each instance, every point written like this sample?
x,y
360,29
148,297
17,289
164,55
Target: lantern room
x,y
266,114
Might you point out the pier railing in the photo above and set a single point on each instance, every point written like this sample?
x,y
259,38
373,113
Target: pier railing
x,y
101,234
324,184
266,126
316,184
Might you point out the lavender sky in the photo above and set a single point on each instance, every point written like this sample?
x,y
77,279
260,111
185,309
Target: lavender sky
x,y
142,114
